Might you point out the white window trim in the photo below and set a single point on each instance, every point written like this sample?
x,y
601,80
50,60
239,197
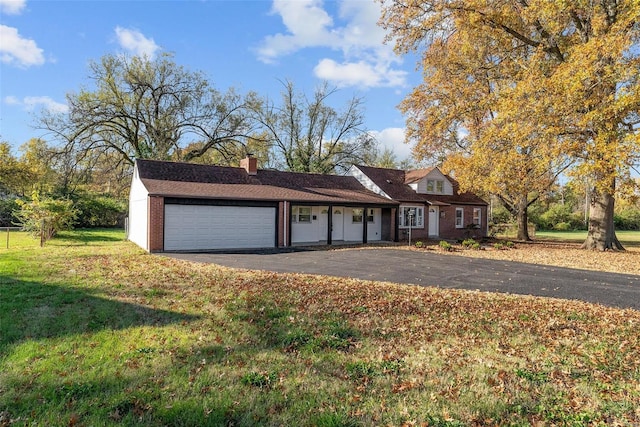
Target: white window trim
x,y
367,211
401,215
296,214
461,225
477,217
435,183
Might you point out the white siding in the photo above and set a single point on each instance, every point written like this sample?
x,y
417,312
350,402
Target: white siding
x,y
138,212
366,181
435,174
353,231
308,232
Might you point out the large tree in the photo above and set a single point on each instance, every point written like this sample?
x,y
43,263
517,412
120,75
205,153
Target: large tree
x,y
308,135
152,109
561,73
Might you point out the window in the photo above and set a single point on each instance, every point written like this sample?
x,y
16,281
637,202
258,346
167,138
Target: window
x,y
459,218
301,214
357,215
304,214
435,186
477,216
411,215
370,215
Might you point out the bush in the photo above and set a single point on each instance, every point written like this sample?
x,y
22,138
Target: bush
x,y
419,244
627,219
45,218
8,207
100,211
560,217
468,243
562,226
445,245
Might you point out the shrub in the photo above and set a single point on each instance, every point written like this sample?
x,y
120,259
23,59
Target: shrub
x,y
510,245
419,244
45,218
560,217
627,219
499,246
562,226
8,207
468,243
476,246
97,211
445,245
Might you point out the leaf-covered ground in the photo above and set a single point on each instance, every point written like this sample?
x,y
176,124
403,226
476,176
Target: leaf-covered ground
x,y
106,335
557,254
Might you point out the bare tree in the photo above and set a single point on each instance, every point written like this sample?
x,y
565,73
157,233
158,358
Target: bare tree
x,y
307,135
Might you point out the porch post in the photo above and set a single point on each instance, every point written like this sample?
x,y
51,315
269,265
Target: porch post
x,y
329,224
365,211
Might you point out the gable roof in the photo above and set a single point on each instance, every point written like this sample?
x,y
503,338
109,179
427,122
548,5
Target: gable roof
x,y
395,183
174,179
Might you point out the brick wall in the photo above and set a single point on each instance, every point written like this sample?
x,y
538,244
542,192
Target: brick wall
x,y
448,228
156,223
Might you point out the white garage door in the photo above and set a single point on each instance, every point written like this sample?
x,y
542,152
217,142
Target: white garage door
x,y
194,227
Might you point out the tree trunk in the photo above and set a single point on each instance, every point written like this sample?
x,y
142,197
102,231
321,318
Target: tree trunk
x,y
602,234
522,217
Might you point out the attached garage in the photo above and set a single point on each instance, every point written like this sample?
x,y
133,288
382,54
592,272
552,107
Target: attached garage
x,y
197,227
194,207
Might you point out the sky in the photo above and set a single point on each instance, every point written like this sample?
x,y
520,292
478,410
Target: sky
x,y
249,45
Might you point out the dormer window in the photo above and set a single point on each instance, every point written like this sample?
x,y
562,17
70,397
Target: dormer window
x,y
435,186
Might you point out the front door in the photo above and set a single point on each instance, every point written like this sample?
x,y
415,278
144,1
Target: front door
x,y
434,225
337,230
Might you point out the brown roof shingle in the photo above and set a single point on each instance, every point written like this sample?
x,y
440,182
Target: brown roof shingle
x,y
172,179
395,183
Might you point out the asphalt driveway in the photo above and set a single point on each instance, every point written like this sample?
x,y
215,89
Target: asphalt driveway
x,y
444,271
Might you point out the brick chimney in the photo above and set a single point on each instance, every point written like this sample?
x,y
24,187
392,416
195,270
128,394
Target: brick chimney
x,y
250,164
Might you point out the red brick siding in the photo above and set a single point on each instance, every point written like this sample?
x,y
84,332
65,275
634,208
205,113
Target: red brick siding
x,y
448,228
156,223
281,224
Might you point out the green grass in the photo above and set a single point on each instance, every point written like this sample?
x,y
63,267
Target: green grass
x,y
631,238
93,331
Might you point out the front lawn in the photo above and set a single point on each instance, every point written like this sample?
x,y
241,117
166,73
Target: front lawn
x,y
630,238
94,331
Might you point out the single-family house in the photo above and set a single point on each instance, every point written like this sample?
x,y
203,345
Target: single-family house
x,y
192,207
430,202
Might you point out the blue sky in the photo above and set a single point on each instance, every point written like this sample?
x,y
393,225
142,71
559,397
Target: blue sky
x,y
46,45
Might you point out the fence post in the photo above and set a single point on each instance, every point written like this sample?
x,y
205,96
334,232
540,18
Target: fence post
x,y
7,237
42,233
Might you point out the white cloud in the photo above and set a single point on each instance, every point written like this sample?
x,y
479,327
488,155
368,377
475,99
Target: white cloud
x,y
365,59
393,138
31,103
16,50
12,7
11,100
136,43
359,73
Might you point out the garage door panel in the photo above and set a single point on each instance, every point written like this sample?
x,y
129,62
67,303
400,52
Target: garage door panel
x,y
196,227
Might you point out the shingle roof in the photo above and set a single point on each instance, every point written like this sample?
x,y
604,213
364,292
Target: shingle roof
x,y
172,179
395,183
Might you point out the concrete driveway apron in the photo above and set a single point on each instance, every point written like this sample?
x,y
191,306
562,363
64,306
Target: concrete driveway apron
x,y
444,271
